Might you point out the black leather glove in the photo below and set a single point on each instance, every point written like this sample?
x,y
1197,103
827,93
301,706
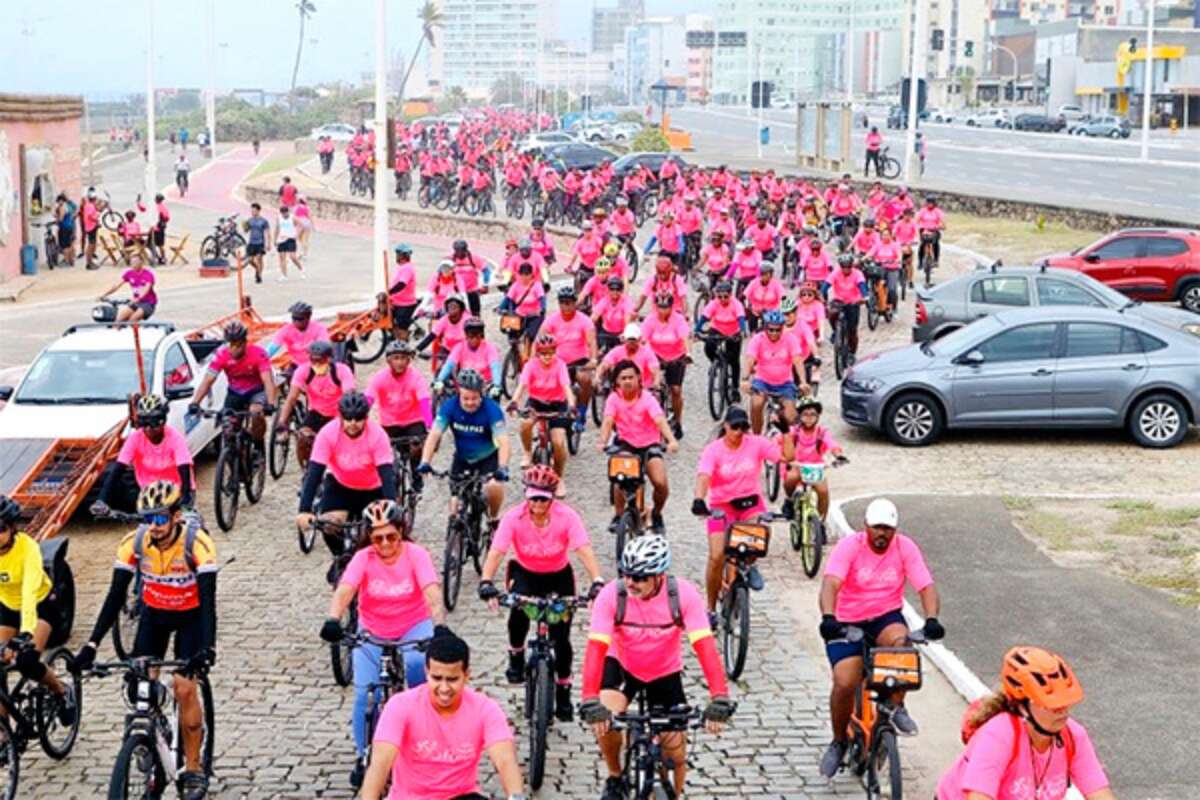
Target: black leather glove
x,y
200,662
830,628
595,589
593,711
193,408
84,659
442,630
488,590
331,631
934,629
699,507
424,468
268,409
501,474
720,709
29,660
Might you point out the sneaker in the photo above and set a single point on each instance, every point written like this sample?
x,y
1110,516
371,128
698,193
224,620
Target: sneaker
x,y
303,275
563,711
615,789
677,429
281,279
905,724
516,667
657,525
831,761
359,772
788,509
68,709
193,786
755,579
714,621
580,425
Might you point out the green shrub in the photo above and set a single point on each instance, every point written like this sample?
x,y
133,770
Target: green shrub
x,y
650,140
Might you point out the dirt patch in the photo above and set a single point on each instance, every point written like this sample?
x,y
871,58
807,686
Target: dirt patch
x,y
1155,544
1016,242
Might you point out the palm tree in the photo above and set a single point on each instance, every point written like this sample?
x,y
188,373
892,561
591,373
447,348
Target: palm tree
x,y
306,9
430,18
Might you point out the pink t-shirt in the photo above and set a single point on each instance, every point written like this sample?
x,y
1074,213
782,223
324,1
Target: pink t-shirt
x,y
645,359
156,462
811,315
987,765
745,265
546,384
405,274
296,341
887,253
811,446
398,397
323,394
816,267
873,584
141,285
450,334
930,219
438,756
724,317
527,297
245,373
613,316
353,462
846,286
480,359
764,237
773,360
648,645
736,473
390,597
572,335
764,297
636,421
667,339
537,549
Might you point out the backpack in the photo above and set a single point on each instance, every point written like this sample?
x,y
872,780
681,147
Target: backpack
x,y
968,729
672,601
189,543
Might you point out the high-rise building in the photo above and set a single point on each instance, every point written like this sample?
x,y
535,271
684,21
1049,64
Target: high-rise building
x,y
483,40
656,51
954,70
699,59
1037,12
609,23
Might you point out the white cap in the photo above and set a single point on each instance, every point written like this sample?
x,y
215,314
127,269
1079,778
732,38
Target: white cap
x,y
632,331
882,512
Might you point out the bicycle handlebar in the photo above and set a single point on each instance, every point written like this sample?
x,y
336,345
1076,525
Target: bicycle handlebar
x,y
361,637
658,720
855,634
511,600
106,668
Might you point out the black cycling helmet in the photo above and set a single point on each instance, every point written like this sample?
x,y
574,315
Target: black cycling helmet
x,y
354,406
846,260
10,510
808,401
723,287
615,283
320,349
301,310
473,324
470,379
460,244
400,347
567,293
236,332
538,222
151,410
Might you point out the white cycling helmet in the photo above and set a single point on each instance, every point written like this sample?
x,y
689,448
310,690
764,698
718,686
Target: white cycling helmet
x,y
632,331
646,555
882,512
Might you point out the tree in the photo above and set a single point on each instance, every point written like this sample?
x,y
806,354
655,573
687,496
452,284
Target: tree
x,y
650,140
508,88
430,18
306,9
454,99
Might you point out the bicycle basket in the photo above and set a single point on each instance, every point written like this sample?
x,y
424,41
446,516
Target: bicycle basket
x,y
891,669
624,467
510,323
872,269
812,473
748,538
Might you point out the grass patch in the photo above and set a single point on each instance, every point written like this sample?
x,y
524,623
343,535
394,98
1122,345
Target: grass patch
x,y
1013,240
1053,529
1185,587
1139,522
1017,503
279,163
1130,505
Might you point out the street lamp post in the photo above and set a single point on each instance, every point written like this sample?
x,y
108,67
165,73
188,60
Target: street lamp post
x,y
1016,66
1148,82
381,138
211,105
850,54
151,166
915,73
761,97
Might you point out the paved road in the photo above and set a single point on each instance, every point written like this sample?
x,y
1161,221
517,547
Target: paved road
x,y
1073,171
1123,641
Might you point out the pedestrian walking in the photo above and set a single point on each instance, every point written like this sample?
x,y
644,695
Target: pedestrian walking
x,y
286,234
919,149
874,143
288,193
304,224
258,232
158,238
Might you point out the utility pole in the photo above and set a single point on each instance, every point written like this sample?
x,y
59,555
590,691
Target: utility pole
x,y
761,95
381,137
916,71
850,54
151,166
212,78
1148,82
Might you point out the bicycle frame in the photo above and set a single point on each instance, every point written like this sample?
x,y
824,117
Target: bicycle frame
x,y
645,763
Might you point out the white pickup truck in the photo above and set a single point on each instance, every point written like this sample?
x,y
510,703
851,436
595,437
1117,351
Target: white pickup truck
x,y
78,388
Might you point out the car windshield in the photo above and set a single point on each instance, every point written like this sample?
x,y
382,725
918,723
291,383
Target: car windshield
x,y
74,377
956,340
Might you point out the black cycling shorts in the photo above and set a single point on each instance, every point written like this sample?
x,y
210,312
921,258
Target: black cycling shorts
x,y
674,371
411,429
315,420
484,466
335,497
562,420
156,626
402,316
663,692
521,580
646,454
49,611
235,401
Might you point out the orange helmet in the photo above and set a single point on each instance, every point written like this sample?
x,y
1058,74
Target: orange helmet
x,y
1031,673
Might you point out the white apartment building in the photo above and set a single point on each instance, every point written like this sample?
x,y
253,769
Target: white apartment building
x,y
483,40
964,26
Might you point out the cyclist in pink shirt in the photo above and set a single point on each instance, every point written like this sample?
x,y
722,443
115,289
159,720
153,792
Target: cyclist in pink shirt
x,y
1021,741
430,738
444,284
773,359
905,231
763,294
931,223
634,647
764,235
866,239
726,317
474,353
323,382
640,426
153,451
294,338
611,313
399,599
541,532
668,236
587,249
576,336
541,241
728,480
631,349
472,270
847,290
546,381
887,252
715,256
745,265
863,586
665,279
403,292
447,331
526,298
251,387
815,262
403,402
624,221
808,443
670,339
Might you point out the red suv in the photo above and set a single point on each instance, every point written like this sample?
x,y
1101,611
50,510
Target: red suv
x,y
1144,263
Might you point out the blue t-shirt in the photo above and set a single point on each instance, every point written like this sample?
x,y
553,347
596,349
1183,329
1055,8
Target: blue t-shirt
x,y
475,432
258,230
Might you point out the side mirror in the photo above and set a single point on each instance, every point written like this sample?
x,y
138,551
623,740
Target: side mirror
x,y
180,392
972,358
6,393
1091,258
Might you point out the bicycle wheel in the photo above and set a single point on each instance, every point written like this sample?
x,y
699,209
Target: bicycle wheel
x,y
58,739
735,629
543,454
539,723
278,447
226,489
891,168
884,778
369,347
207,730
574,435
209,249
471,205
812,539
597,404
510,373
485,543
124,630
52,251
872,308
698,306
10,761
423,196
927,268
626,530
137,772
903,287
518,209
111,220
341,656
717,397
634,261
256,472
452,563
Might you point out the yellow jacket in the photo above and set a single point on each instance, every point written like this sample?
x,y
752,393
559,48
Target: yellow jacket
x,y
23,580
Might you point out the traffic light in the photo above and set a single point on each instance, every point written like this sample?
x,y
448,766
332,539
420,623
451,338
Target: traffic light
x,y
968,49
938,42
1133,44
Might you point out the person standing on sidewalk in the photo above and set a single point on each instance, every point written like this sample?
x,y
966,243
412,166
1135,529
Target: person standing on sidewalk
x,y
304,224
874,143
89,222
286,233
919,149
158,237
258,233
288,193
65,212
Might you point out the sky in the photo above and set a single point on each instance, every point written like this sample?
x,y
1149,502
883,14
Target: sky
x,y
99,49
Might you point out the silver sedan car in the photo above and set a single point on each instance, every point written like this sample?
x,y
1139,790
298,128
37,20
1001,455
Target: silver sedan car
x,y
1062,367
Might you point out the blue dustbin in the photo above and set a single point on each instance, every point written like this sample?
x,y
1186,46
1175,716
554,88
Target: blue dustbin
x,y
29,255
764,134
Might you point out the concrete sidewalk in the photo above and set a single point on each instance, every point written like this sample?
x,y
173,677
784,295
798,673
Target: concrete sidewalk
x,y
1132,648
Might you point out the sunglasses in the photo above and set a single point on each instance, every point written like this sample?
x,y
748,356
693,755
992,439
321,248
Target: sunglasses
x,y
538,499
356,418
638,578
385,538
774,330
156,519
739,426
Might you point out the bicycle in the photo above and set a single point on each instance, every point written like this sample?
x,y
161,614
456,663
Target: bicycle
x,y
224,241
403,185
647,771
514,203
877,294
351,533
807,529
722,391
29,711
110,218
888,165
151,757
512,326
466,534
840,339
873,750
241,461
543,446
50,242
772,472
479,204
927,262
539,670
626,474
632,258
745,543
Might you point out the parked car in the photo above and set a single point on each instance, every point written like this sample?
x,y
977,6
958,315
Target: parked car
x,y
624,131
1035,368
1072,113
594,132
338,131
1038,122
1112,127
946,307
540,141
937,115
576,155
1144,263
989,118
653,161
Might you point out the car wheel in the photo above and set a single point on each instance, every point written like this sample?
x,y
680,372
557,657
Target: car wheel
x,y
1115,135
1189,297
1158,421
913,420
